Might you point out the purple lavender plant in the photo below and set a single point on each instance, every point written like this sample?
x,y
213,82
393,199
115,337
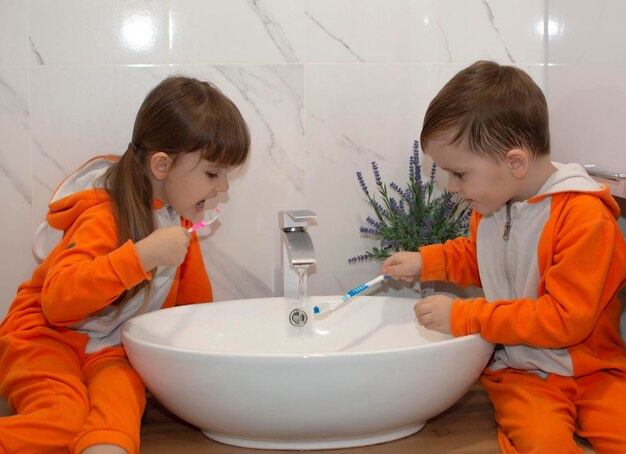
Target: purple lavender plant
x,y
412,216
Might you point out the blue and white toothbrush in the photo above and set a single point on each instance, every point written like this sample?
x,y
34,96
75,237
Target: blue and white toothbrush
x,y
325,308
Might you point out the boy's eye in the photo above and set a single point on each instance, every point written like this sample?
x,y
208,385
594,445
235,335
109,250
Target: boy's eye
x,y
211,174
459,175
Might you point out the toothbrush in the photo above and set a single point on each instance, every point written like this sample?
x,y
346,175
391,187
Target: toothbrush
x,y
317,310
209,219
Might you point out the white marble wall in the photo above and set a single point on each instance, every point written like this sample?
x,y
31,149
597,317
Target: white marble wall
x,y
326,85
587,81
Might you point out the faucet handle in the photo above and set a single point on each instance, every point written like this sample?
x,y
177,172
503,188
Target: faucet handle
x,y
295,218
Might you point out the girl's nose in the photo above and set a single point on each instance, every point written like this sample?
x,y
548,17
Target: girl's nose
x,y
222,185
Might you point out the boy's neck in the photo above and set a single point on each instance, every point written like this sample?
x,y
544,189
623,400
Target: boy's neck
x,y
539,171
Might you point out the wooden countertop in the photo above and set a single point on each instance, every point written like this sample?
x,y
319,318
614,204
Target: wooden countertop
x,y
466,428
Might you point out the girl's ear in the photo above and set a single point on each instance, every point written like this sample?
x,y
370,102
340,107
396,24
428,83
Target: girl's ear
x,y
160,164
517,161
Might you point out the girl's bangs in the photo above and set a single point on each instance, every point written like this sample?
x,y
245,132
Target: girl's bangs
x,y
225,140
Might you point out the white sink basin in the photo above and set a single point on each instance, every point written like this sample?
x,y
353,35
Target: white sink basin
x,y
240,372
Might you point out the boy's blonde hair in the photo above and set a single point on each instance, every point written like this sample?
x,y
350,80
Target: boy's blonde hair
x,y
493,109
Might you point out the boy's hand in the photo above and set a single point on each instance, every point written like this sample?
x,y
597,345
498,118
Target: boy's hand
x,y
403,265
433,312
166,246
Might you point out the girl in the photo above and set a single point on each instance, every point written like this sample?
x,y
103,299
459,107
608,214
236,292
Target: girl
x,y
125,250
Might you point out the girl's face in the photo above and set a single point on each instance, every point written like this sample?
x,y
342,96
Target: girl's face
x,y
189,182
486,184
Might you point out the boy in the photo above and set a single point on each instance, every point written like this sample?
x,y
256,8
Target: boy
x,y
545,247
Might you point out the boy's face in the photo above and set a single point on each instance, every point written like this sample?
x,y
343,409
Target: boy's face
x,y
486,184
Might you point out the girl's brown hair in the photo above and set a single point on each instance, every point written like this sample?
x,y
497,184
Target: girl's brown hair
x,y
492,108
180,115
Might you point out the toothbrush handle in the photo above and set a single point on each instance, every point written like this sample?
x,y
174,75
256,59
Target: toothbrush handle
x,y
196,226
362,287
376,280
213,215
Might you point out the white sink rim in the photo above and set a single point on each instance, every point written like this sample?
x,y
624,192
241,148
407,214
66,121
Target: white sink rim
x,y
308,306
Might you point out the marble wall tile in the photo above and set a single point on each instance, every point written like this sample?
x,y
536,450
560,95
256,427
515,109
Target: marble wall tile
x,y
586,33
506,31
96,32
237,31
356,114
588,113
80,112
16,223
352,31
13,33
587,92
428,31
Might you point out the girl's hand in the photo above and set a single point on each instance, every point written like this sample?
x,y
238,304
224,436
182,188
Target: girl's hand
x,y
166,246
433,312
403,265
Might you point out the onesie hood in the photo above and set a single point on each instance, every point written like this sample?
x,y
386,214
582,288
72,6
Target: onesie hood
x,y
573,177
78,192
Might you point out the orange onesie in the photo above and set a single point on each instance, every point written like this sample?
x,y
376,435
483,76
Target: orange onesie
x,y
62,367
551,306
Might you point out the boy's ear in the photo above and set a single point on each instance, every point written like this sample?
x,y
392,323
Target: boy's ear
x,y
517,161
160,163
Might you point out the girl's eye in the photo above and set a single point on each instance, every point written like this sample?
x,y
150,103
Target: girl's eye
x,y
458,175
211,175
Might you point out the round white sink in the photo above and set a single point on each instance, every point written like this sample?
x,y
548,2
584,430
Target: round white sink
x,y
241,373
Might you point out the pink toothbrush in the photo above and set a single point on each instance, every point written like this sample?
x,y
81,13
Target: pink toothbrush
x,y
209,219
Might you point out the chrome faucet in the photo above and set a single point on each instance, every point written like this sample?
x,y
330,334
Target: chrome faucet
x,y
297,248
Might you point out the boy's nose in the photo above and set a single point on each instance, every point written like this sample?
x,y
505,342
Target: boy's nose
x,y
453,185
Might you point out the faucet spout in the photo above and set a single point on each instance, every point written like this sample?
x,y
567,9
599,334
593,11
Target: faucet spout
x,y
298,252
299,247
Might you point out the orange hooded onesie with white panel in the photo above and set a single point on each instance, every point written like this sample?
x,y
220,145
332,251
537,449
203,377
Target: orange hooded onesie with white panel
x,y
62,367
550,268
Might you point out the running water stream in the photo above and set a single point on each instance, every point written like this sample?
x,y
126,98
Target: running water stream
x,y
298,315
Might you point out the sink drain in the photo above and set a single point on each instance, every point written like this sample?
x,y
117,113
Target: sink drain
x,y
298,317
